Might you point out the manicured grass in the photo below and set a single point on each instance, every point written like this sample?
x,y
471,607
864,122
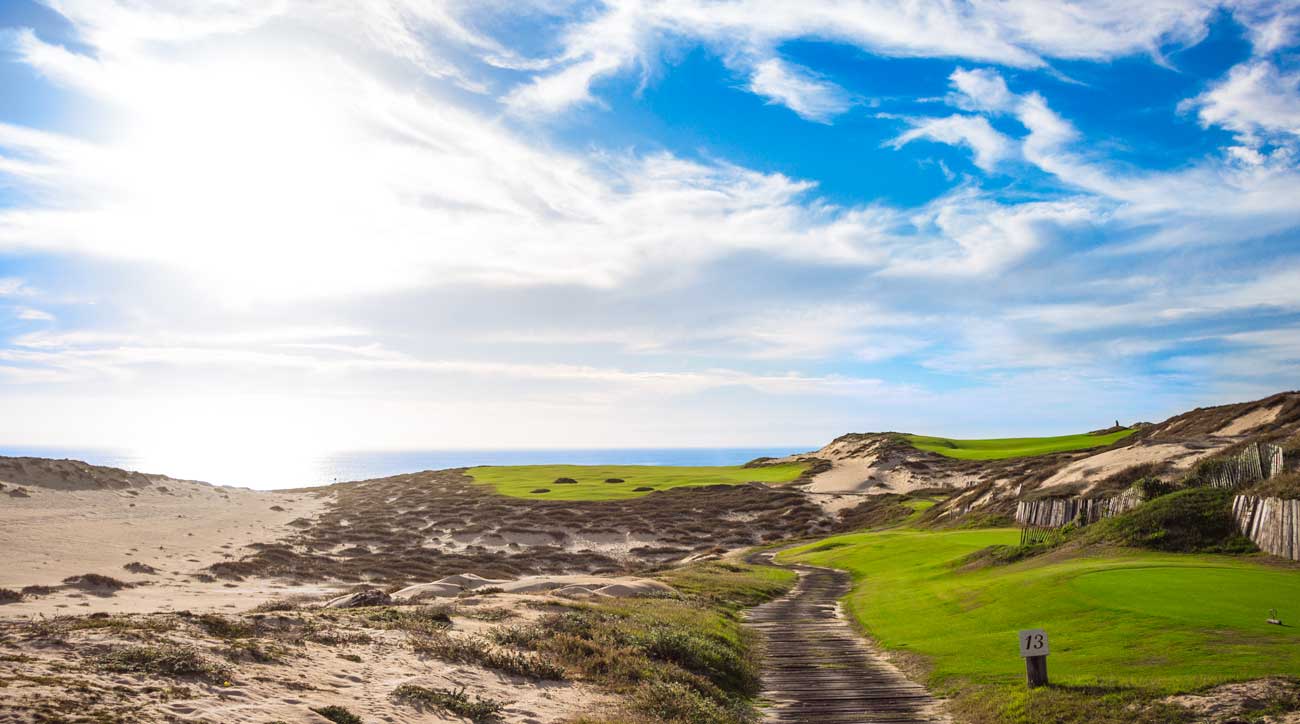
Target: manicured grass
x,y
521,481
1012,447
1147,621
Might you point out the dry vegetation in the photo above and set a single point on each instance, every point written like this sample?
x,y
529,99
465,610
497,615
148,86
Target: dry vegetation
x,y
678,657
423,526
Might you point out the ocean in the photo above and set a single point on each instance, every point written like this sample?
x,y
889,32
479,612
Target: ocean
x,y
293,471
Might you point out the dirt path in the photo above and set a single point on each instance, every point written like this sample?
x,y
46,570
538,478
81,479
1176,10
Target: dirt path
x,y
818,669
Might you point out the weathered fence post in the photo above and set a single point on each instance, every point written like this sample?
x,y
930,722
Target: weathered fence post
x,y
1033,648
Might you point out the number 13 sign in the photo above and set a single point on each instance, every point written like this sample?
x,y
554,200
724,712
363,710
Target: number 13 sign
x,y
1033,642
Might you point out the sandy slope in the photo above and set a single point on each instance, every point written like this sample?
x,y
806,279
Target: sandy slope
x,y
347,661
176,527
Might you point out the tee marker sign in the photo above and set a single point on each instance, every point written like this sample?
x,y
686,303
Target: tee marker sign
x,y
1034,650
1033,642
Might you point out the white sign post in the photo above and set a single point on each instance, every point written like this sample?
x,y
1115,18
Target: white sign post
x,y
1034,650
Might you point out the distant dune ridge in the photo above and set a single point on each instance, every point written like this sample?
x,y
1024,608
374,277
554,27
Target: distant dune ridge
x,y
860,464
73,475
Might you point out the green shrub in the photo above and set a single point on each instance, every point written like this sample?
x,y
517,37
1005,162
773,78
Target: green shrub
x,y
681,704
720,663
1197,520
1151,488
455,702
338,715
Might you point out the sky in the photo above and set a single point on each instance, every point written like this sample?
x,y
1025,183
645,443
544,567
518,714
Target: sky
x,y
332,224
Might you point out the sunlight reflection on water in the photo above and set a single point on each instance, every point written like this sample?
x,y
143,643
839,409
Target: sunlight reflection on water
x,y
271,468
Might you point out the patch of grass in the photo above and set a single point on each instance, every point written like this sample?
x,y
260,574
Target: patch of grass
x,y
522,481
414,619
8,595
1285,486
163,660
1013,447
1198,520
452,701
473,650
338,714
1139,623
730,586
1066,705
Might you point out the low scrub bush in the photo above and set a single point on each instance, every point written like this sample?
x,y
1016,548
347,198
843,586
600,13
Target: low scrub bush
x,y
8,595
96,581
338,715
1197,520
681,704
225,628
473,650
452,701
416,619
163,660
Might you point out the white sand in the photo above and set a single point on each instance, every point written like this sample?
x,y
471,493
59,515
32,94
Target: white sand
x,y
54,534
1104,464
1249,421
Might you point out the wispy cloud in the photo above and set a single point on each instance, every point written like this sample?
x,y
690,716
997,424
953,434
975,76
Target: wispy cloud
x,y
798,89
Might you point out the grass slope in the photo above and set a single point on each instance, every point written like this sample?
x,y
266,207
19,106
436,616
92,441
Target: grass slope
x,y
1157,622
1012,447
521,480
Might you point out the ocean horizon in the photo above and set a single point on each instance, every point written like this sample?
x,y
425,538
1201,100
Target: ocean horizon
x,y
293,471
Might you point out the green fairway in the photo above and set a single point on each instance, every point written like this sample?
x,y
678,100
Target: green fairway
x,y
521,480
1012,447
1150,621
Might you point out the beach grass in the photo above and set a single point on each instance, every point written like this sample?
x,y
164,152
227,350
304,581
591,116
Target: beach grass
x,y
1013,447
591,482
1120,619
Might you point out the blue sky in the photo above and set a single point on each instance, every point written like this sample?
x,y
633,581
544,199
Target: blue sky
x,y
549,223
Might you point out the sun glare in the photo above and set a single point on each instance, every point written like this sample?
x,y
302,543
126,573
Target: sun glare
x,y
244,442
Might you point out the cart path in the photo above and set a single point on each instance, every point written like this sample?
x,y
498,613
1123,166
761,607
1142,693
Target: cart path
x,y
817,669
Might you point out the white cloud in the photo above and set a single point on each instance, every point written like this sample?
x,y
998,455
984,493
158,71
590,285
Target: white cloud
x,y
798,89
980,89
33,315
974,132
623,34
1255,101
12,286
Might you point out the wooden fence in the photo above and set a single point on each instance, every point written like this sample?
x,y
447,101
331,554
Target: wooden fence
x,y
1272,523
